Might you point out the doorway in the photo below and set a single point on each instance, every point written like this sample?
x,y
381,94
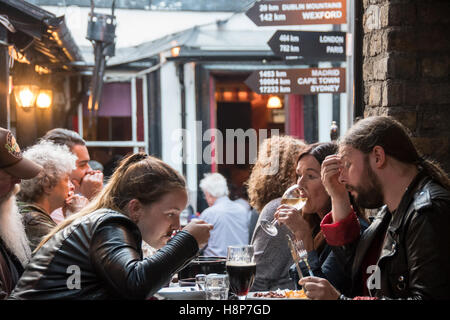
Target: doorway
x,y
242,112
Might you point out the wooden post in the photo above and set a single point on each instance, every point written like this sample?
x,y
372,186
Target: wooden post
x,y
4,79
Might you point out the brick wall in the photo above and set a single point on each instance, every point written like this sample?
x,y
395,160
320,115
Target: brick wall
x,y
406,69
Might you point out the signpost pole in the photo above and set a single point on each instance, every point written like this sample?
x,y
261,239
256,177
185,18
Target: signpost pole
x,y
349,112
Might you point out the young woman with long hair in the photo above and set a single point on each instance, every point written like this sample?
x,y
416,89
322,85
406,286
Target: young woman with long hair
x,y
96,253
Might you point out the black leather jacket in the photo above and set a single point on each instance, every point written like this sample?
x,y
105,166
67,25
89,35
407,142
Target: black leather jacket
x,y
99,256
415,256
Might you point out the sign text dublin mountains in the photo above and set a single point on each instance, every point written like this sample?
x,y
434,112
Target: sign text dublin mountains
x,y
297,12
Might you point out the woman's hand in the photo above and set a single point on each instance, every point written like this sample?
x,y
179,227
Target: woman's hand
x,y
319,289
73,204
293,219
199,229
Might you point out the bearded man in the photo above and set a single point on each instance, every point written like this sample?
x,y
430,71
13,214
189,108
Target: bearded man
x,y
14,248
405,252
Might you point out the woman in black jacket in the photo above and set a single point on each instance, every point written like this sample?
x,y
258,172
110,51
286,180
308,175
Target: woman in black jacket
x,y
96,253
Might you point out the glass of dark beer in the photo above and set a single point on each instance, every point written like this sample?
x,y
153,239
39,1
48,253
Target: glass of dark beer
x,y
241,269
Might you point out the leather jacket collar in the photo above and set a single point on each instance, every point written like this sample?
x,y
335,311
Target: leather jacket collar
x,y
410,194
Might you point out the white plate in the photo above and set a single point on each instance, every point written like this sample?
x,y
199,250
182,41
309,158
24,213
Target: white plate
x,y
181,293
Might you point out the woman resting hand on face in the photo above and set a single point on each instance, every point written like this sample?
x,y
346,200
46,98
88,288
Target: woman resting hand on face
x,y
305,224
96,253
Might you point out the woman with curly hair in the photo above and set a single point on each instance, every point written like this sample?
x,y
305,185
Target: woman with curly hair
x,y
272,174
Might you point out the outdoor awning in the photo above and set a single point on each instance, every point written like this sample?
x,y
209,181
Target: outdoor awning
x,y
40,36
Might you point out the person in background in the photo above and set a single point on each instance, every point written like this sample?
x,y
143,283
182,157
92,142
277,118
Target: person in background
x,y
265,188
230,220
305,224
240,196
87,182
95,165
49,190
108,159
96,253
14,249
405,253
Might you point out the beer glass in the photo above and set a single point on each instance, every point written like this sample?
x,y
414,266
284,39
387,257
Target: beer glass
x,y
241,269
290,197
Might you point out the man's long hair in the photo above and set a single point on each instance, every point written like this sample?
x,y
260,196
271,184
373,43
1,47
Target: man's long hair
x,y
395,139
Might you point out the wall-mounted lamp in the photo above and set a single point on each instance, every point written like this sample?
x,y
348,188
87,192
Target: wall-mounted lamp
x,y
175,51
26,95
243,95
274,102
44,99
228,95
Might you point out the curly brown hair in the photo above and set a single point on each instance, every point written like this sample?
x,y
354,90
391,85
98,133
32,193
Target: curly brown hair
x,y
265,183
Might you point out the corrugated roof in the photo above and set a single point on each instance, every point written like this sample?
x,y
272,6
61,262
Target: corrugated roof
x,y
41,36
212,39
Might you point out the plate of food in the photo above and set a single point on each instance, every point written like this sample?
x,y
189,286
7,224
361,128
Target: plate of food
x,y
180,293
278,295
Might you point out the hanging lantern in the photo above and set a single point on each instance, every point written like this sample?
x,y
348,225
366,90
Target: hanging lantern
x,y
274,102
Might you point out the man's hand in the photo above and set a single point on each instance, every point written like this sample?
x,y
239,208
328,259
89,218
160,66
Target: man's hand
x,y
319,289
340,200
330,171
91,184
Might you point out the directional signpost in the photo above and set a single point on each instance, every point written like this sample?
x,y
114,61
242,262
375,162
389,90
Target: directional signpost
x,y
298,81
311,45
297,12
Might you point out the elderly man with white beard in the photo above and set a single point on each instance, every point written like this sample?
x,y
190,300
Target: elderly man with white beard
x,y
14,248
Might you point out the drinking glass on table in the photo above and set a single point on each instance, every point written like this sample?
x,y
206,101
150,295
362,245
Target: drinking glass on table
x,y
216,286
290,197
200,280
241,269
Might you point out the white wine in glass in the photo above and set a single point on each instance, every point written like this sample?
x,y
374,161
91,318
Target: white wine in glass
x,y
291,197
297,203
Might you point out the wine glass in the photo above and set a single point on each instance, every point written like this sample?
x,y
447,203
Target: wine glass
x,y
290,197
241,269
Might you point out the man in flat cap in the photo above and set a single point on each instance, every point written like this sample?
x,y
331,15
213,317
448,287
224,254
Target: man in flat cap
x,y
14,249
